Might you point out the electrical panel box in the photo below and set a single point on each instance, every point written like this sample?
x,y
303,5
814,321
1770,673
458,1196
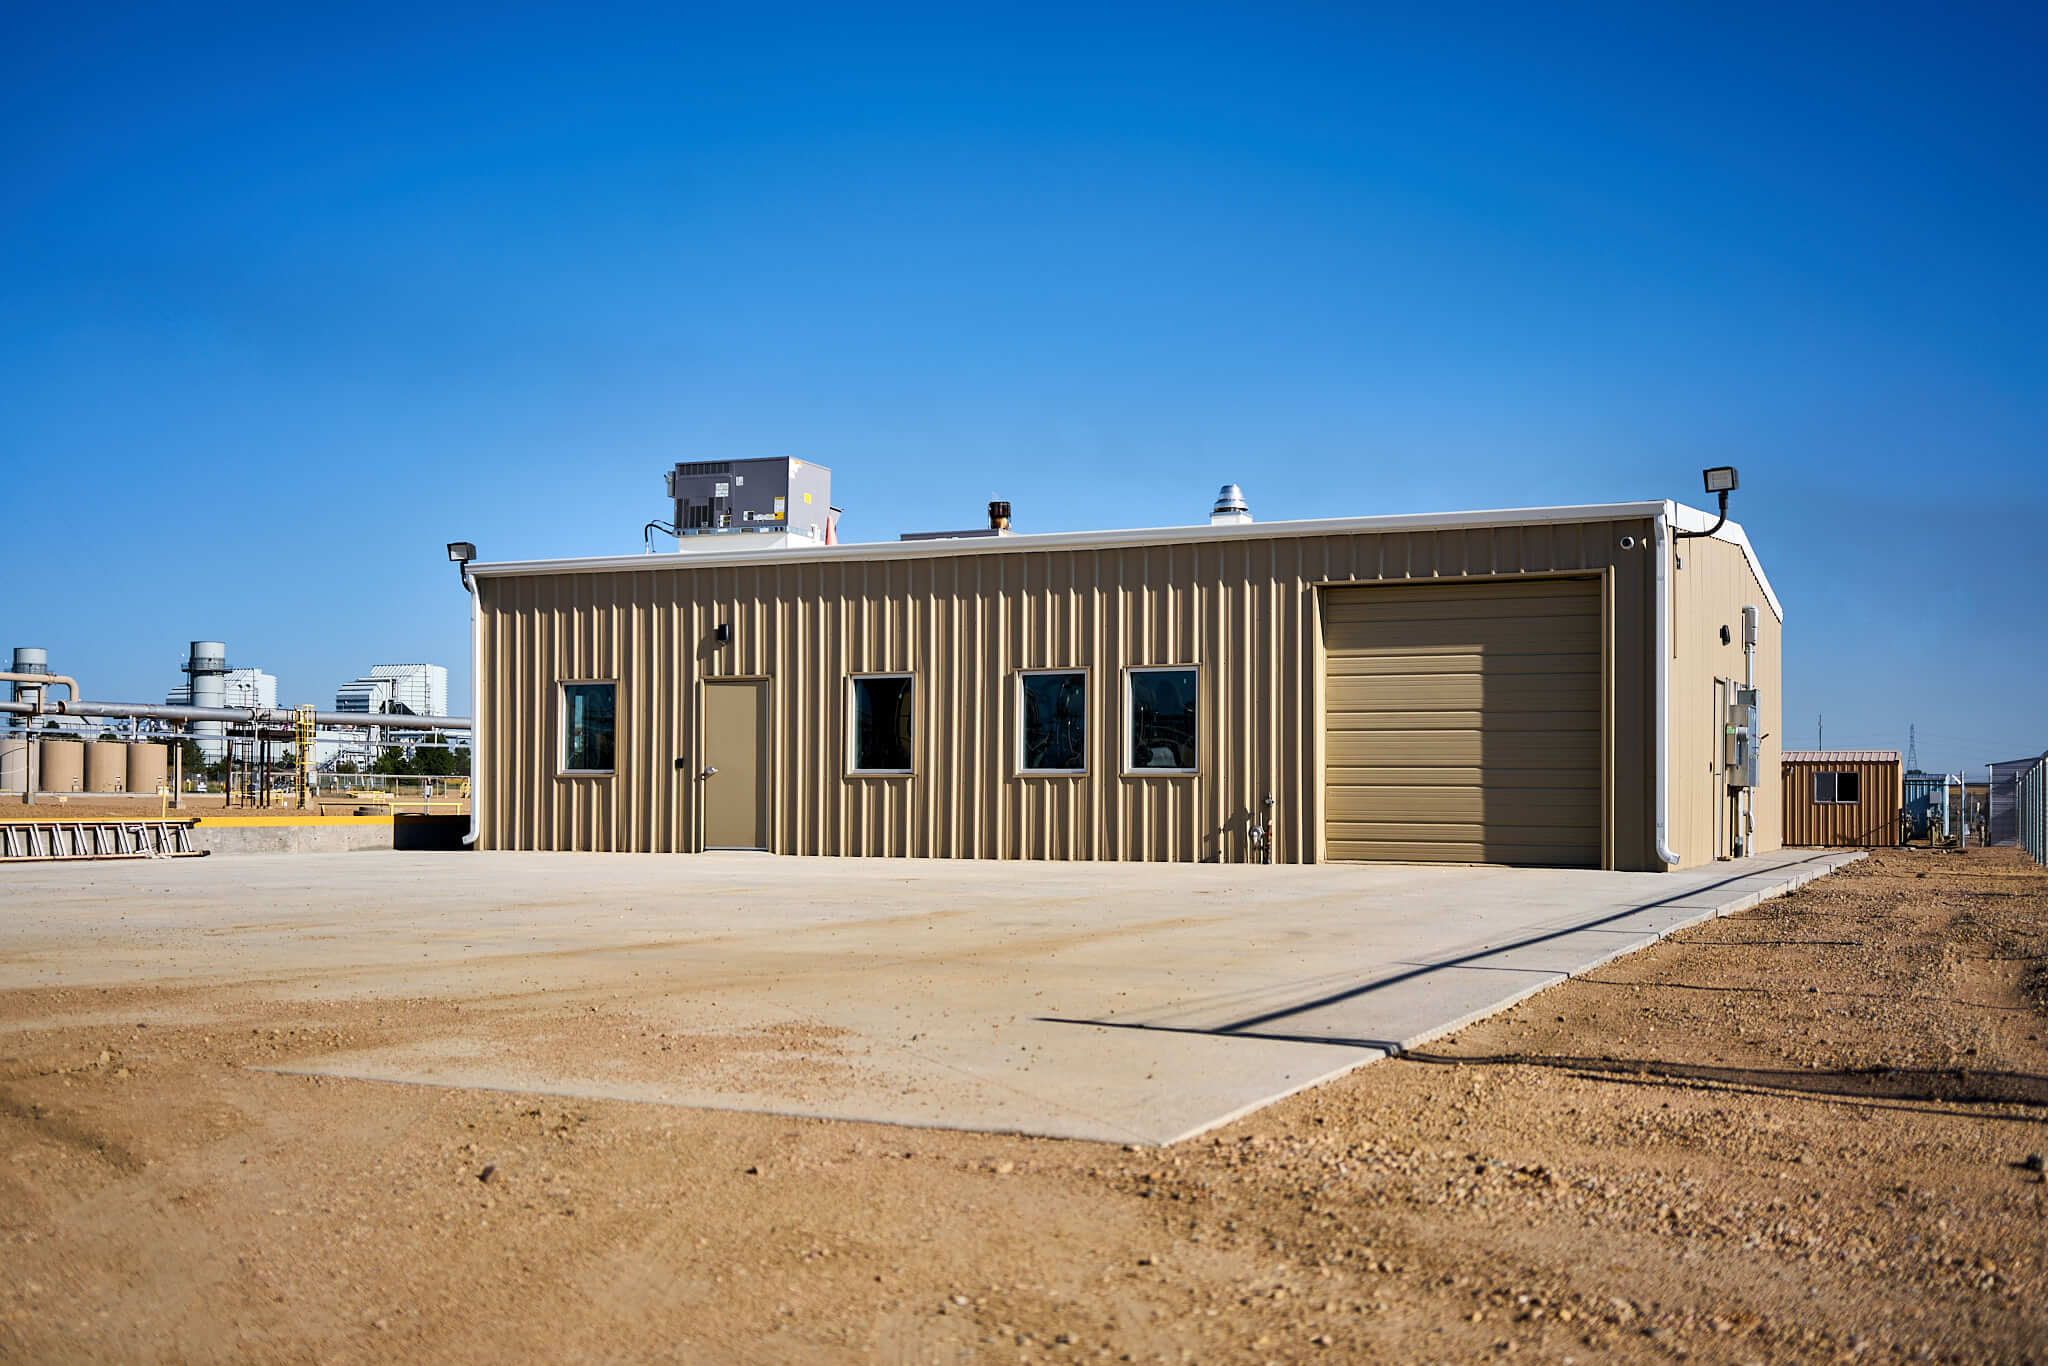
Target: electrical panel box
x,y
715,497
1741,740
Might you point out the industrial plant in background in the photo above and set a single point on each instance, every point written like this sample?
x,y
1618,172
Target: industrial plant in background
x,y
386,690
222,724
210,682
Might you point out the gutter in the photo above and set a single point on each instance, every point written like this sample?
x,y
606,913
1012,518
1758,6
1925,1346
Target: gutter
x,y
476,704
1660,549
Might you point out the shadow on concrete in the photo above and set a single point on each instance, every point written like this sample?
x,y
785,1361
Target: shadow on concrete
x,y
1478,958
1254,1026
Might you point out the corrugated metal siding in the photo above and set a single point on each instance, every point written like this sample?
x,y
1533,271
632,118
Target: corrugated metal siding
x,y
1871,823
1709,592
1243,609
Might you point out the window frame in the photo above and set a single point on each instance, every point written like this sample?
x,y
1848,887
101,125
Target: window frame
x,y
1130,718
853,769
1019,765
1836,787
562,686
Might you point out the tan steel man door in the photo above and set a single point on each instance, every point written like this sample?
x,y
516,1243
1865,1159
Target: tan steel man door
x,y
1462,723
732,780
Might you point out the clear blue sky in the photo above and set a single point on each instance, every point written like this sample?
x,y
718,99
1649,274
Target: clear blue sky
x,y
291,299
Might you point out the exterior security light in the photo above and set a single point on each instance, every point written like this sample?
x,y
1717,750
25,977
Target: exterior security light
x,y
1720,481
461,552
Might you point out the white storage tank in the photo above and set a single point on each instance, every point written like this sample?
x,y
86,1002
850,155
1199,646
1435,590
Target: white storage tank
x,y
13,764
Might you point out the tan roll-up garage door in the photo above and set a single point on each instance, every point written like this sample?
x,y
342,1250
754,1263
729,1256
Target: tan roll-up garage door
x,y
1462,722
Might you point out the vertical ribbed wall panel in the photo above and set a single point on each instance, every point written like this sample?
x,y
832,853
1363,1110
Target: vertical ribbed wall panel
x,y
1243,610
1870,822
1709,591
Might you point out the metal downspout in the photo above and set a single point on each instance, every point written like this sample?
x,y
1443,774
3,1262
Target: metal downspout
x,y
476,702
1660,540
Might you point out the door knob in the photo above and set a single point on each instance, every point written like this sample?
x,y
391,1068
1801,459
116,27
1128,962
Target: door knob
x,y
709,770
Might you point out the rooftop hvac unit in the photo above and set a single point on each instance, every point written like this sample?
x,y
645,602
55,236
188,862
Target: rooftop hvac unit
x,y
719,496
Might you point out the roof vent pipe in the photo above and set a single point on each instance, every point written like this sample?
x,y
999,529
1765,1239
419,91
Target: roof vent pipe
x,y
1230,509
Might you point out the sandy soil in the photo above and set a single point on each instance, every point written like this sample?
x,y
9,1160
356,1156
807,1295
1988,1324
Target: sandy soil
x,y
1799,1134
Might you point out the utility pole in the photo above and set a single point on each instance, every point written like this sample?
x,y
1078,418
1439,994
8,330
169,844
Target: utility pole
x,y
1820,731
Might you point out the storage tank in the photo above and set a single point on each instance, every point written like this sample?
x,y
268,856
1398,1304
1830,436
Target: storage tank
x,y
106,766
60,765
13,764
148,766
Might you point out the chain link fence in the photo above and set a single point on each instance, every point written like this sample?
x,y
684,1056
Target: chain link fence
x,y
2033,811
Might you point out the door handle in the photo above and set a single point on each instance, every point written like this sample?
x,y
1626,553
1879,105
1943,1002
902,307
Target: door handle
x,y
708,771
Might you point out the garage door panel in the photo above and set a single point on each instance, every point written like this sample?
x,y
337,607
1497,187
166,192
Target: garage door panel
x,y
1425,660
1543,852
1549,808
1452,609
1577,688
1493,635
1471,748
1485,777
1490,719
1462,723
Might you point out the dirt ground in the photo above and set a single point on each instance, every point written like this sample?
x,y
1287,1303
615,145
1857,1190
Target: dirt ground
x,y
1810,1132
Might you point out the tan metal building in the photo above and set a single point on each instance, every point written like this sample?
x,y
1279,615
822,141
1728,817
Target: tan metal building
x,y
1842,798
1540,686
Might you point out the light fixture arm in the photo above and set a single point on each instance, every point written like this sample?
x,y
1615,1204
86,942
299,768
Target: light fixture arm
x,y
1678,535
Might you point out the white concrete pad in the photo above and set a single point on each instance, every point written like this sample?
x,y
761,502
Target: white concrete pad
x,y
1122,1002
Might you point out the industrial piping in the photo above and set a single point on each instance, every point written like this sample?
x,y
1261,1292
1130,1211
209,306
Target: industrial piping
x,y
41,681
266,716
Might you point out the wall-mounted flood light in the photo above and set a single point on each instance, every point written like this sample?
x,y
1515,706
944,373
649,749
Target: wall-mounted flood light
x,y
461,553
1720,481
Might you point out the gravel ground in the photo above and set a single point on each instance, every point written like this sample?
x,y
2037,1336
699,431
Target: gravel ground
x,y
1811,1132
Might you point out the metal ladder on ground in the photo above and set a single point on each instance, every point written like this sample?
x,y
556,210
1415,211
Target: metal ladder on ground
x,y
49,841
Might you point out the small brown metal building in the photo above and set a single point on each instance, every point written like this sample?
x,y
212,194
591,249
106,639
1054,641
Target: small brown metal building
x,y
1842,798
1541,686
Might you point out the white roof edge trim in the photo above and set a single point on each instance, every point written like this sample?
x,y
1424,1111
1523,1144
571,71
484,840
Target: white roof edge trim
x,y
1683,517
1020,543
1692,519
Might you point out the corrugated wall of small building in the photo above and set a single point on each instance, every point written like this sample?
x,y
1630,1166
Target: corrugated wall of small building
x,y
1709,592
1872,822
1243,609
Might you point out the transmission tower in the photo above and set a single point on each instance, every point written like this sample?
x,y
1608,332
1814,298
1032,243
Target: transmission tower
x,y
1912,749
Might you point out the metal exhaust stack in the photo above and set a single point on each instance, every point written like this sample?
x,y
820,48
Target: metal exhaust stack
x,y
1230,509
